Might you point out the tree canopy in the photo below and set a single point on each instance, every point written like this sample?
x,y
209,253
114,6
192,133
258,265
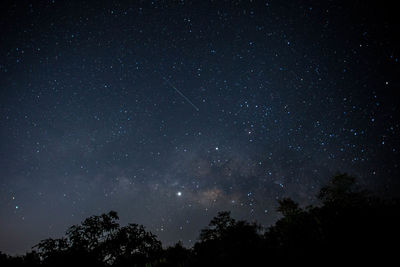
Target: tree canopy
x,y
349,225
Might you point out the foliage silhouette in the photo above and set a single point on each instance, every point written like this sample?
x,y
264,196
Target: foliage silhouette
x,y
175,256
100,241
349,226
227,242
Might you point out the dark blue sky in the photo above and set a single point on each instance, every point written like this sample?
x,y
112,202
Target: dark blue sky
x,y
169,111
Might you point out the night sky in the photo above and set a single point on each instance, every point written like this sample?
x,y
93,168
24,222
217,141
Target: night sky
x,y
170,111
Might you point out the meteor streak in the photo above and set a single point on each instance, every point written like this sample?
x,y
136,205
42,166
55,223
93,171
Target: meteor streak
x,y
180,93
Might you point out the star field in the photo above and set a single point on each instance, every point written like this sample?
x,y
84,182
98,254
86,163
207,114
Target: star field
x,y
169,111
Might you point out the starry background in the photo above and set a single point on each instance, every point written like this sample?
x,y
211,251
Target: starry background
x,y
169,111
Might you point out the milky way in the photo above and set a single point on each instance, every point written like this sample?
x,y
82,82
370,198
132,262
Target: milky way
x,y
170,111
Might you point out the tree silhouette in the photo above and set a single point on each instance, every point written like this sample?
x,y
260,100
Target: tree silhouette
x,y
217,227
29,259
227,242
98,241
175,256
288,207
133,244
348,226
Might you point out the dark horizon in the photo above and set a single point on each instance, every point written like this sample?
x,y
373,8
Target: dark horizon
x,y
169,112
350,225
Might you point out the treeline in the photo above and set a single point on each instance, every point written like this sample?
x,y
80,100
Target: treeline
x,y
349,226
